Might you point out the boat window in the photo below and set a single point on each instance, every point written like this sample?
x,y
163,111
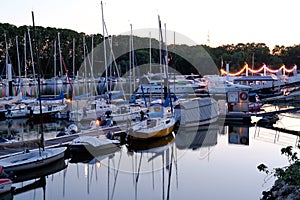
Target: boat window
x,y
151,123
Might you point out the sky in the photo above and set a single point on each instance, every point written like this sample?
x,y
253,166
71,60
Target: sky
x,y
210,22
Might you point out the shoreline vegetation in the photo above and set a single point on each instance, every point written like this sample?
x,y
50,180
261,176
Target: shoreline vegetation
x,y
183,58
287,184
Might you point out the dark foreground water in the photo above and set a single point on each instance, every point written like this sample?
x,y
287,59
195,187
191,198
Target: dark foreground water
x,y
219,163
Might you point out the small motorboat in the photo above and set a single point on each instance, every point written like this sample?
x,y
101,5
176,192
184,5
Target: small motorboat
x,y
5,185
92,145
268,120
255,107
72,129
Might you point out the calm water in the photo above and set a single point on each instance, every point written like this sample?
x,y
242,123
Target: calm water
x,y
219,163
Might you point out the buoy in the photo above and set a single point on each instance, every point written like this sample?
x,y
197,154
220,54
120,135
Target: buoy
x,y
243,96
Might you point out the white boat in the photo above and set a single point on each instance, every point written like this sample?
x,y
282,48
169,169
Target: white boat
x,y
259,83
154,84
47,110
197,112
92,145
127,112
5,185
6,101
32,159
157,125
83,109
88,149
103,105
16,111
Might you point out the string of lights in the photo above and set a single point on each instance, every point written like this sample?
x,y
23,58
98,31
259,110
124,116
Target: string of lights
x,y
264,67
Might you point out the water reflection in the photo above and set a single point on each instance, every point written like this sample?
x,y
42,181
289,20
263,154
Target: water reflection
x,y
238,134
204,136
137,161
25,129
27,181
157,169
153,157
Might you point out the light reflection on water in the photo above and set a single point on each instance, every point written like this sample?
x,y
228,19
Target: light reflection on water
x,y
214,164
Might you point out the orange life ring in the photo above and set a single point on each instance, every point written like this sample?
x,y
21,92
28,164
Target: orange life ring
x,y
243,96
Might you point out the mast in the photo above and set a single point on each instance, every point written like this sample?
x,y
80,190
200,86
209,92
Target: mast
x,y
163,51
132,56
25,64
8,70
104,46
110,62
39,84
160,64
73,57
130,72
60,56
166,53
6,53
18,57
54,57
150,66
31,54
54,70
84,62
150,63
92,57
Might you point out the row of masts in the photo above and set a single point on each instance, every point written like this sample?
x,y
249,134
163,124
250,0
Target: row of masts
x,y
88,59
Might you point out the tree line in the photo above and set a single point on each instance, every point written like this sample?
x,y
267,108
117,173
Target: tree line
x,y
183,58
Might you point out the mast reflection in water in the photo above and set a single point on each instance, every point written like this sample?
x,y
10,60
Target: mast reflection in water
x,y
207,163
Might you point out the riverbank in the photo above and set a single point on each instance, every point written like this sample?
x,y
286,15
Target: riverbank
x,y
286,187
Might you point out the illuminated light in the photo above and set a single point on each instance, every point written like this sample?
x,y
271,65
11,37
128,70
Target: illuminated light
x,y
86,170
98,122
290,70
69,100
274,70
258,70
223,72
98,164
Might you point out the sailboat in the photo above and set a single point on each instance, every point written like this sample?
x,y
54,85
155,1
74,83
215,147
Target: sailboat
x,y
31,159
154,126
35,158
156,122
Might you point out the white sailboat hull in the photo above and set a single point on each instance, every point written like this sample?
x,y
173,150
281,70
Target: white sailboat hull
x,y
162,128
33,159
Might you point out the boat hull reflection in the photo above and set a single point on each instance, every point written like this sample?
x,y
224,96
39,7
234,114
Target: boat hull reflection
x,y
203,136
